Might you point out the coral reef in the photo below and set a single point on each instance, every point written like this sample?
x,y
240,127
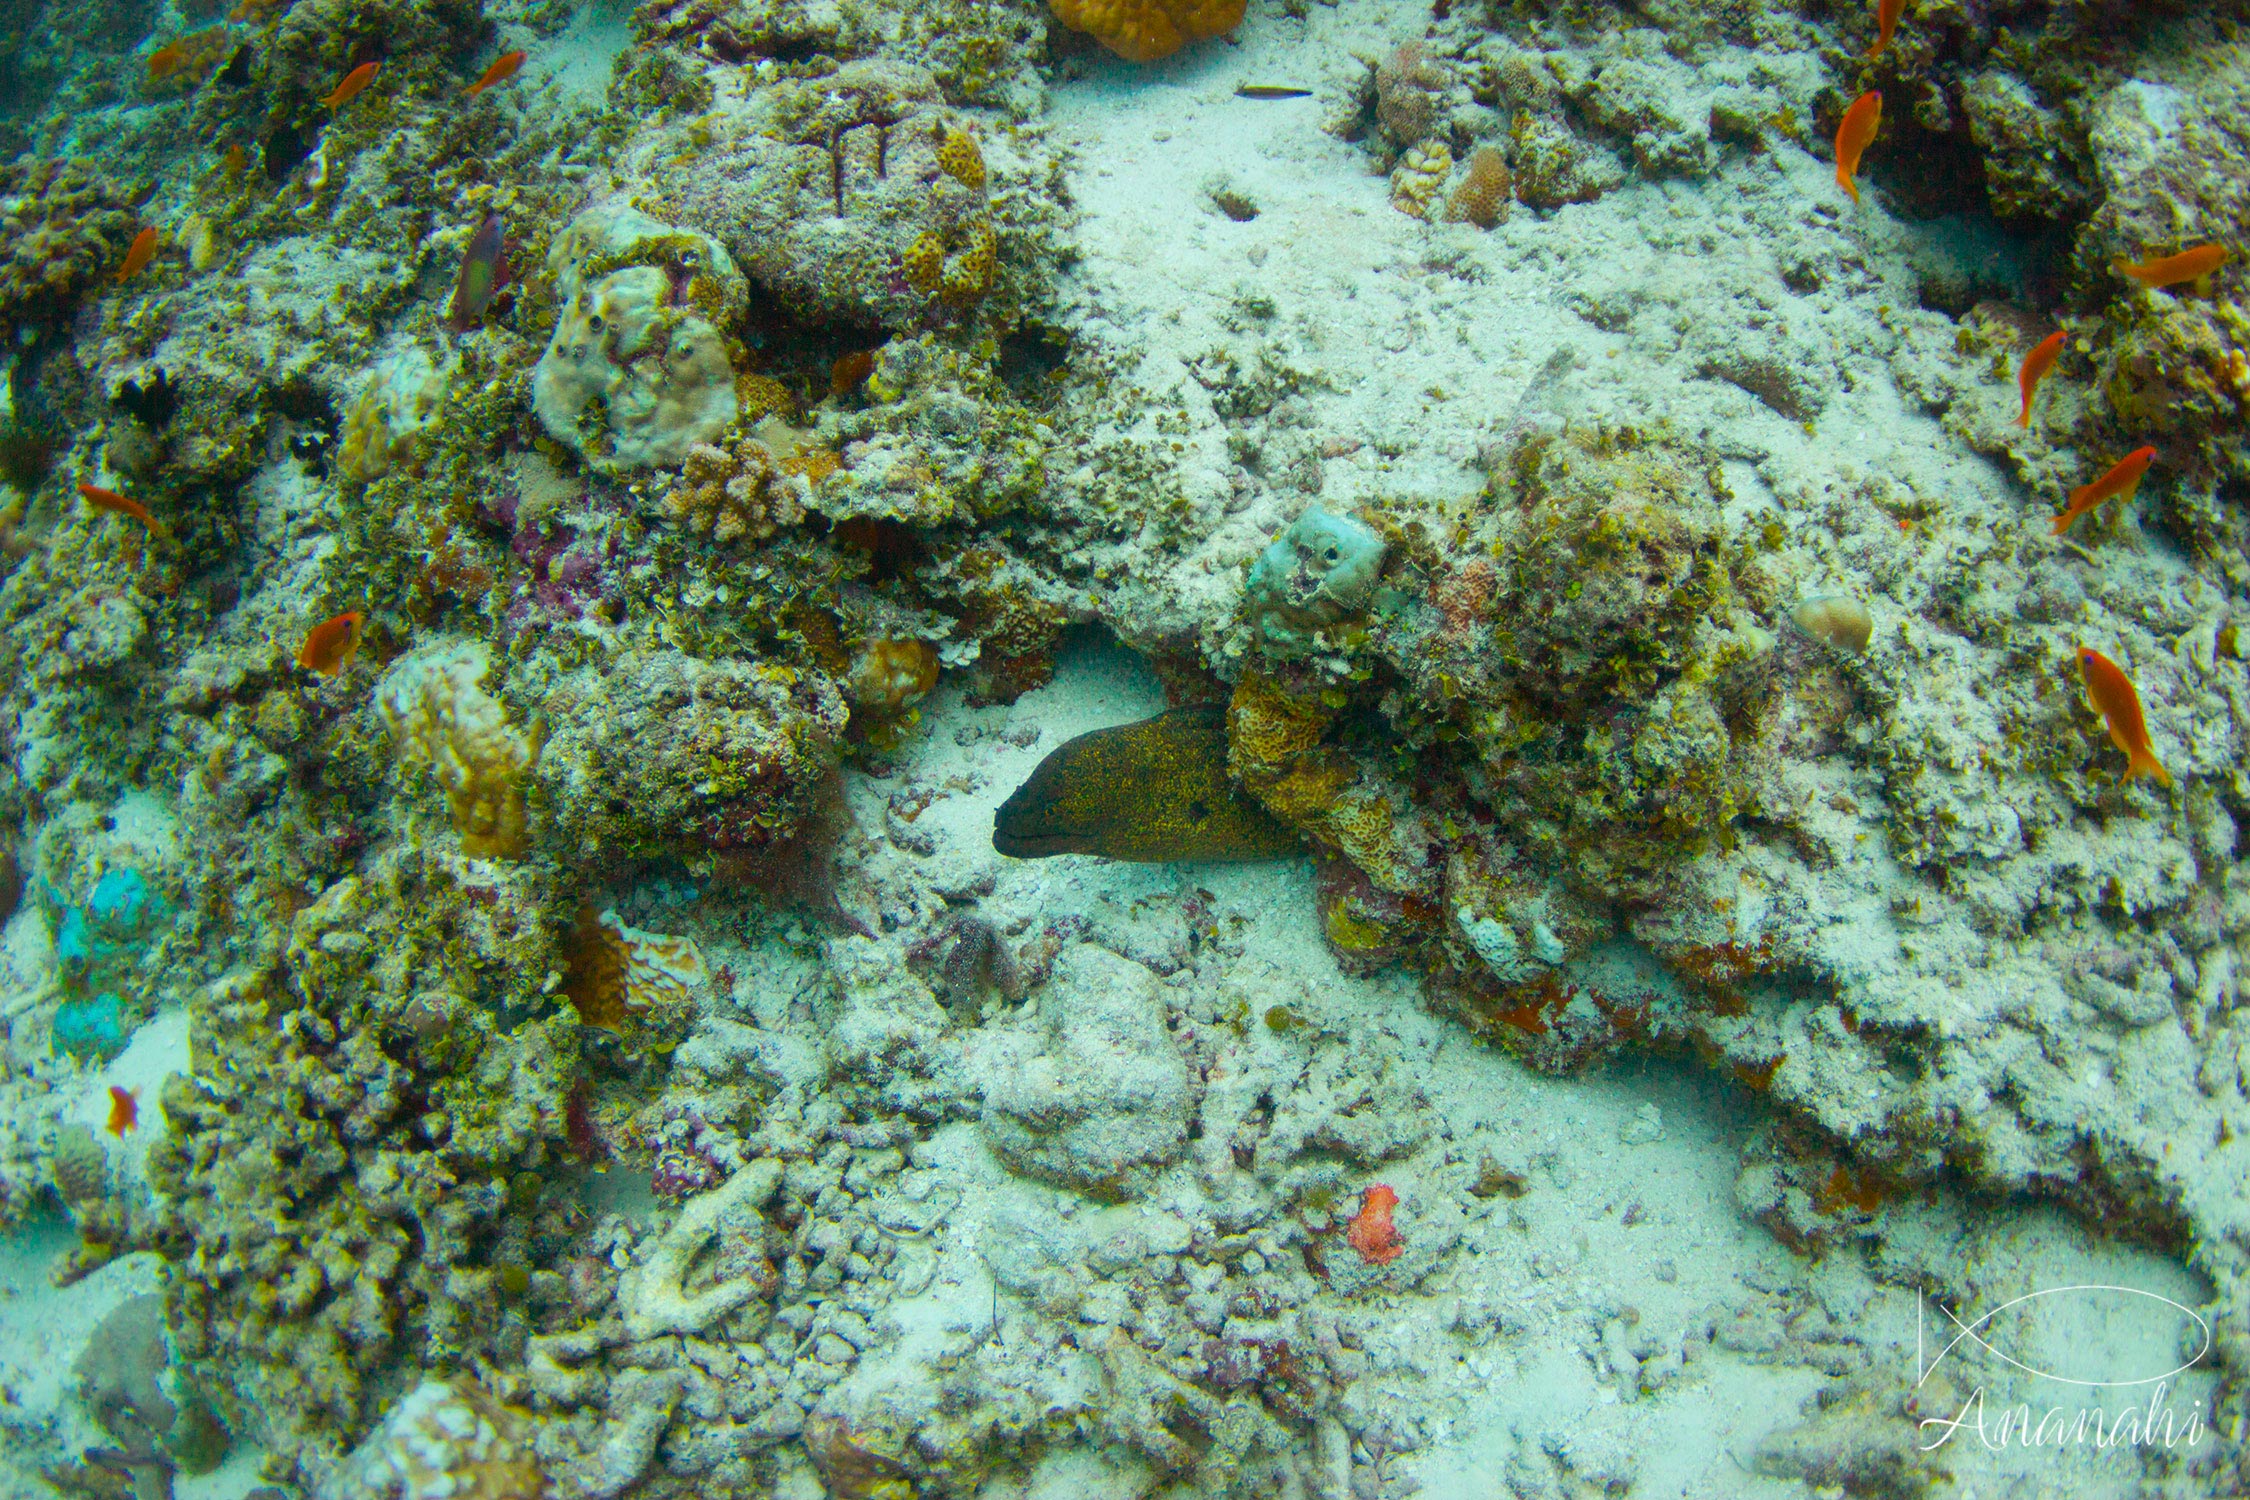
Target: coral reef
x,y
731,494
64,224
443,1438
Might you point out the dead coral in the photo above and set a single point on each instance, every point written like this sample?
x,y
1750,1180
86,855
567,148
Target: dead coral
x,y
63,224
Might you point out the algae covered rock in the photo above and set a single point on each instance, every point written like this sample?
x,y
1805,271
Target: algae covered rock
x,y
671,752
1094,1096
639,369
856,198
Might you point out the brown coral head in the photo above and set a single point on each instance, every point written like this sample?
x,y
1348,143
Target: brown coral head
x,y
1145,30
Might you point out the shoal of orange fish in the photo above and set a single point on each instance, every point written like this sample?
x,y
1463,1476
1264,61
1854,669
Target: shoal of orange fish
x,y
2122,480
2171,270
1886,22
2120,707
330,646
2036,364
124,1110
503,68
139,253
348,90
1853,137
117,504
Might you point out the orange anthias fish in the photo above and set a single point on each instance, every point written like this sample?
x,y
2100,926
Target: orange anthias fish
x,y
357,79
110,500
330,645
167,60
2171,270
2112,692
124,1110
1886,22
139,253
1853,137
503,68
2120,482
2036,364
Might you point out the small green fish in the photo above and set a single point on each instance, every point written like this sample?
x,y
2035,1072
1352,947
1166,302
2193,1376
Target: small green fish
x,y
1270,91
1147,792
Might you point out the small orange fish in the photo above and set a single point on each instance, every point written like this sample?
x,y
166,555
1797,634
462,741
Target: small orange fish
x,y
110,500
330,645
2036,364
2171,270
1853,137
2121,481
1886,22
167,60
2112,692
503,68
357,79
139,253
236,161
124,1110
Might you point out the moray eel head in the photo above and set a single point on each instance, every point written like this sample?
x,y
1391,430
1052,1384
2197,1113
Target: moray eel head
x,y
1148,792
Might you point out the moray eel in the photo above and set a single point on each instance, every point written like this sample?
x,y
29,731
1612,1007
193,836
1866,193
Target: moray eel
x,y
1146,792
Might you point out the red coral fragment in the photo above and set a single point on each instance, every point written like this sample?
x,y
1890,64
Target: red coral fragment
x,y
1370,1231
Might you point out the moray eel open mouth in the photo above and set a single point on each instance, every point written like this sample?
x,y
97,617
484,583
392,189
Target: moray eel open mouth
x,y
1147,792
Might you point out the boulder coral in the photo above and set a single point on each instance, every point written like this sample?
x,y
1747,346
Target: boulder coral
x,y
856,197
1146,30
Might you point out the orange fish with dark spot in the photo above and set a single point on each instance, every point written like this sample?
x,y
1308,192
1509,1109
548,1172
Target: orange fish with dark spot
x,y
2120,482
503,68
1854,136
2171,270
139,253
167,60
357,79
112,501
2112,692
2036,364
1886,22
124,1110
330,646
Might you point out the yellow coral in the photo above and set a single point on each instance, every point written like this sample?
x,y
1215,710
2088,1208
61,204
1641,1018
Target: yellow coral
x,y
439,717
969,274
728,495
925,262
959,158
1420,177
1482,196
1145,30
891,675
763,396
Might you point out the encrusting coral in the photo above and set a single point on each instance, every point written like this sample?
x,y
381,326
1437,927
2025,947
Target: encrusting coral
x,y
63,224
438,716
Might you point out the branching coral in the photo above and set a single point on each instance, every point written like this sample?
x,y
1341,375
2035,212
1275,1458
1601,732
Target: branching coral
x,y
439,717
653,1297
1145,30
728,495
